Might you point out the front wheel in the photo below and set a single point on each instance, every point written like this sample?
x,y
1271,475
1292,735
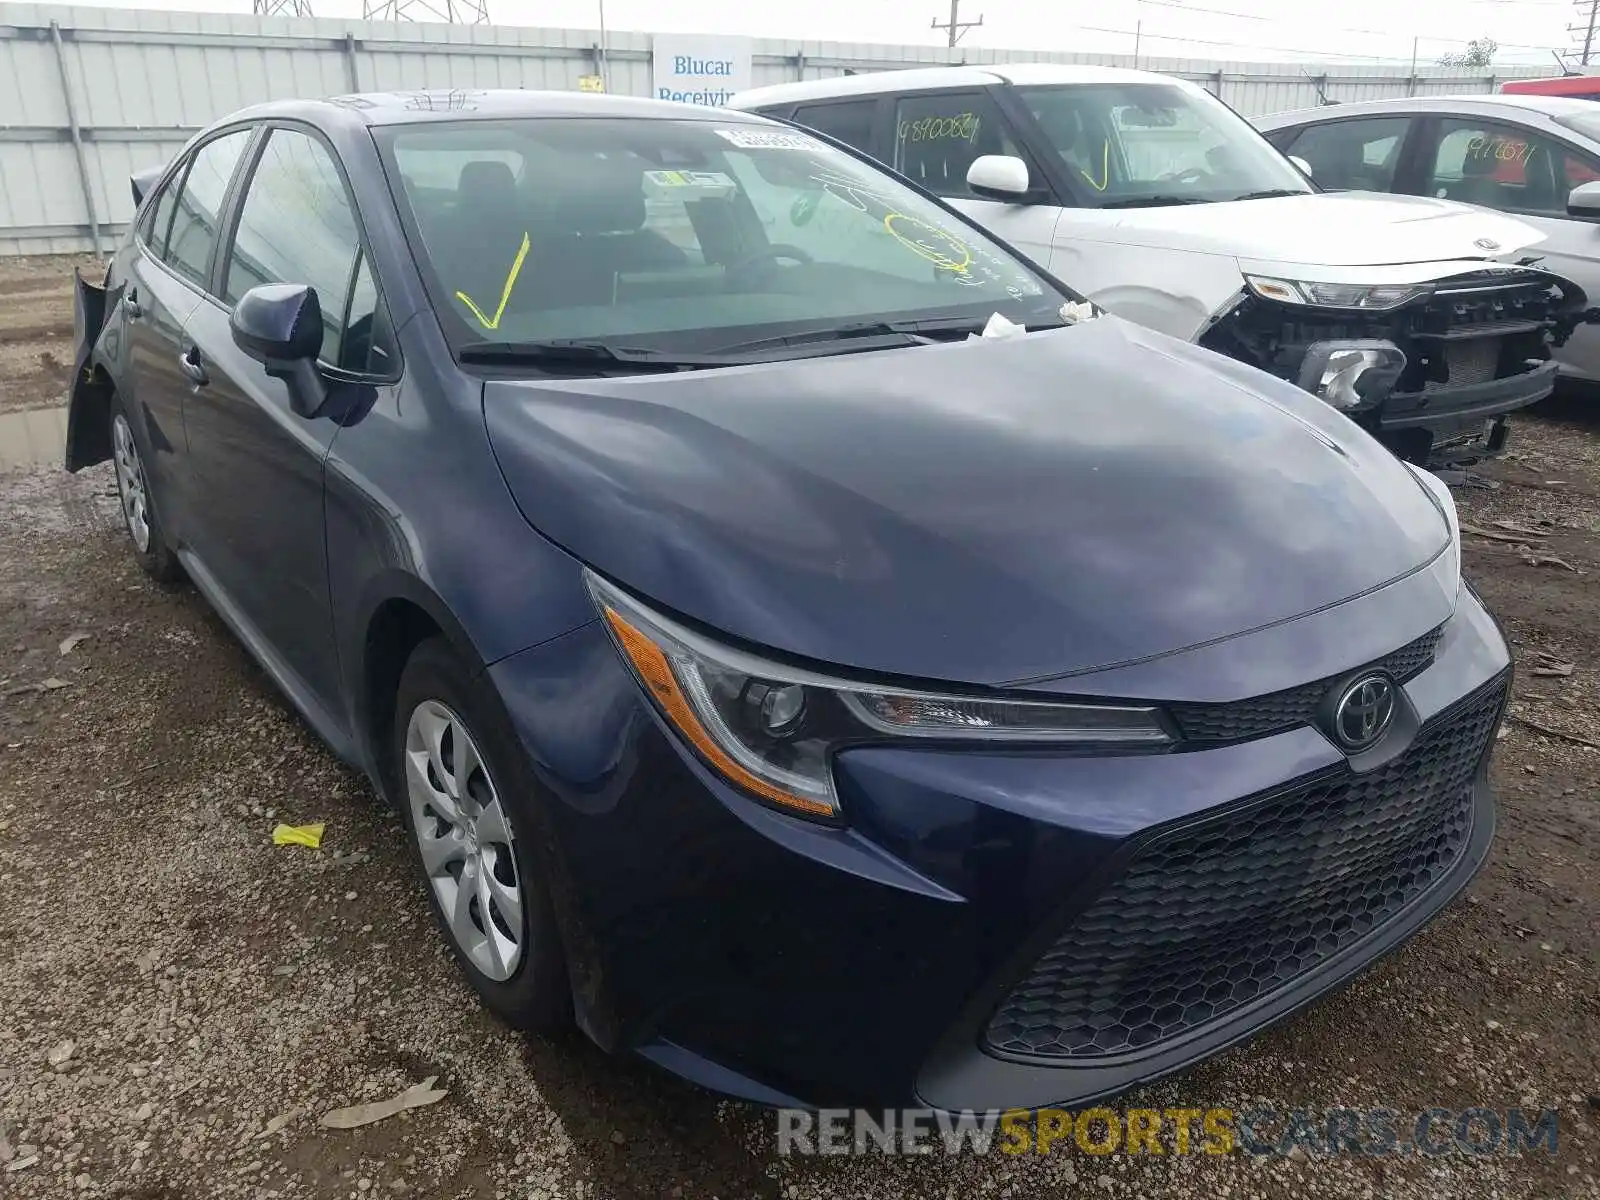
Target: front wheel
x,y
138,510
465,794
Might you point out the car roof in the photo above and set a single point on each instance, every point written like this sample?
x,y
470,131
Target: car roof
x,y
924,79
1480,104
460,104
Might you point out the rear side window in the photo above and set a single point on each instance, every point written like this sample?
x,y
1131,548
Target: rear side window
x,y
938,134
194,223
1360,155
298,225
850,123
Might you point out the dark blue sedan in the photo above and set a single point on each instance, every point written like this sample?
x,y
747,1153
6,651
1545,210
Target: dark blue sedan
x,y
810,648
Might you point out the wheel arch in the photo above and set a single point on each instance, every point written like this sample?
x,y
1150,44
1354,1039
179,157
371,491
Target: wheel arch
x,y
401,613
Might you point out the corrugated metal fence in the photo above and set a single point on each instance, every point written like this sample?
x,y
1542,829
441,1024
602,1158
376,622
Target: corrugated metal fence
x,y
88,96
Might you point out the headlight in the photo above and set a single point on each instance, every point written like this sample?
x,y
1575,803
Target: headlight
x,y
1439,493
772,729
1374,297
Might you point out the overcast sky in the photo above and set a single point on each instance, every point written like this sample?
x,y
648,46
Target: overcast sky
x,y
1285,30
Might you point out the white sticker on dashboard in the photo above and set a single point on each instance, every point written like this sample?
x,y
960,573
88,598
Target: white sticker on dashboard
x,y
768,139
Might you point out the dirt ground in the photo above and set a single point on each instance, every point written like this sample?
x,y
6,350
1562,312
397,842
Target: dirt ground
x,y
220,993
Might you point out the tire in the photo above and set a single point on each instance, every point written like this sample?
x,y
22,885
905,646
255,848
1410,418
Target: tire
x,y
139,517
513,960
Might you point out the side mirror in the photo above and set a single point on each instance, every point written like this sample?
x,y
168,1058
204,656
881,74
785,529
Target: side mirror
x,y
1303,166
280,326
998,177
1583,202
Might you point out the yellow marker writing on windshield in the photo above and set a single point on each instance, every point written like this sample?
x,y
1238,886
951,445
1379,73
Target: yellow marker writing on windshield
x,y
1105,171
505,294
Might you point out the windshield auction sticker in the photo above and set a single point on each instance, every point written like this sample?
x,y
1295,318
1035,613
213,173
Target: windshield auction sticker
x,y
768,139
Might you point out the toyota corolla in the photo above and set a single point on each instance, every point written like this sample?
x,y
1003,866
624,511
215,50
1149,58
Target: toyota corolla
x,y
811,648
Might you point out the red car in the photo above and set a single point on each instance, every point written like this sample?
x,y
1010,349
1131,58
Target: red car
x,y
1579,87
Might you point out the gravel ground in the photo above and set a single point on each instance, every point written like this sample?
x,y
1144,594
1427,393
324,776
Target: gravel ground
x,y
220,993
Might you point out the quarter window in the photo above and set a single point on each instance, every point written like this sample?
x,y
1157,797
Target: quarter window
x,y
194,221
297,225
160,219
849,123
937,135
1357,156
1506,167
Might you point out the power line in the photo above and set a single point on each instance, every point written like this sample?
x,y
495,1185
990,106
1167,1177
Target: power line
x,y
1384,33
955,24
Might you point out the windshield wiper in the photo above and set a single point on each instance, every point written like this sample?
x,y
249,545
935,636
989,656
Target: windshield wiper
x,y
578,353
1156,201
876,335
1272,193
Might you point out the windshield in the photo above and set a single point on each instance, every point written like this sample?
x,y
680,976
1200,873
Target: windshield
x,y
682,235
1130,144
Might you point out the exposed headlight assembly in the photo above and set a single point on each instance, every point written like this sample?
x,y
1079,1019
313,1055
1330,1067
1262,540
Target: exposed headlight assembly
x,y
772,729
1371,298
1352,375
1439,493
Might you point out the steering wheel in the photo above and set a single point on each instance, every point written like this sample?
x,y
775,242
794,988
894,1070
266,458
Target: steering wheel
x,y
752,263
1187,175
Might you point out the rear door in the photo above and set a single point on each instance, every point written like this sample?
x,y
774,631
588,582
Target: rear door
x,y
258,465
165,281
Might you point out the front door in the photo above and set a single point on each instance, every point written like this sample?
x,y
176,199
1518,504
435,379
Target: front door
x,y
1527,174
937,135
257,464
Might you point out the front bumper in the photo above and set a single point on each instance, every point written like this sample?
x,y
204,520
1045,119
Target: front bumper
x,y
787,962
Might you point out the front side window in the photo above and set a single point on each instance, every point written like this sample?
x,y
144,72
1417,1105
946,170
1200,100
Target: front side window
x,y
194,222
938,134
1356,155
297,225
688,235
1134,145
1505,167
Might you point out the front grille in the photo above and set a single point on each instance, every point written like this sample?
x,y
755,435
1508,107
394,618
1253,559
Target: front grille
x,y
1469,361
1213,916
1277,711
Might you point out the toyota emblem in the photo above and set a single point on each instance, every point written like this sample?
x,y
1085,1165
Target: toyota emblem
x,y
1488,245
1364,711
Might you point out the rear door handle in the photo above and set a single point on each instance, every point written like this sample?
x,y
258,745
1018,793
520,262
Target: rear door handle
x,y
192,366
131,305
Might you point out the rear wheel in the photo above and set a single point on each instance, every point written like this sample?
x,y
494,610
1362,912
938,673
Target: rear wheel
x,y
133,492
465,791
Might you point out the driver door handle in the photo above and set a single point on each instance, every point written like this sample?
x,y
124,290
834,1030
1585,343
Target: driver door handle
x,y
131,305
192,366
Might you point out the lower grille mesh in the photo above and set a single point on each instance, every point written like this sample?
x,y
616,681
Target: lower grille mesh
x,y
1211,917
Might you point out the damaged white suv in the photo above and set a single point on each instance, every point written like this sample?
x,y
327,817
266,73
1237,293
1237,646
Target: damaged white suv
x,y
1424,320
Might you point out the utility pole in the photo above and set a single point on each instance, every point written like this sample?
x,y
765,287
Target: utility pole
x,y
1583,31
957,26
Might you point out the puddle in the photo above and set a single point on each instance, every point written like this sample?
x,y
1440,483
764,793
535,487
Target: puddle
x,y
35,437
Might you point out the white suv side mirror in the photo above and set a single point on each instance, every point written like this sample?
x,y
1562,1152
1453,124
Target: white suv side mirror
x,y
1583,201
998,177
1302,164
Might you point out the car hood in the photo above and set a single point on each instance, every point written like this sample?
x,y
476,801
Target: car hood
x,y
994,511
1327,228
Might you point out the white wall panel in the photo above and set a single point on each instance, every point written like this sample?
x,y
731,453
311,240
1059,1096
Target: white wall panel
x,y
142,80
